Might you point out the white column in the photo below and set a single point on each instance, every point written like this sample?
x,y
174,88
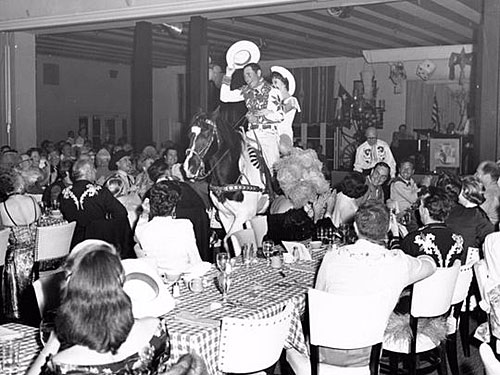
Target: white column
x,y
23,91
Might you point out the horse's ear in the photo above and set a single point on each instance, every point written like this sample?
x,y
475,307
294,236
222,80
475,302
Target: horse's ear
x,y
215,113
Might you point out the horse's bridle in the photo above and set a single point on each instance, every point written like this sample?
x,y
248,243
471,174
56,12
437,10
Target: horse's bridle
x,y
202,153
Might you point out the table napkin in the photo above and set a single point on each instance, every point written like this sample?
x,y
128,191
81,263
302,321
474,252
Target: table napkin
x,y
303,252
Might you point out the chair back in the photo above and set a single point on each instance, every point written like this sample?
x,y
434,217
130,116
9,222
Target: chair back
x,y
432,296
484,283
491,364
348,322
259,225
242,237
462,286
4,243
48,292
53,241
250,345
492,255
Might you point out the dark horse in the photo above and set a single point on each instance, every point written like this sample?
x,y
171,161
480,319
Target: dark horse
x,y
218,153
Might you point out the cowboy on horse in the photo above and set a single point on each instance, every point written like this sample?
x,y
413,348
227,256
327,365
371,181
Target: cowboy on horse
x,y
263,101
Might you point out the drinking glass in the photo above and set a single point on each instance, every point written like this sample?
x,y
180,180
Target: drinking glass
x,y
267,249
47,325
222,259
55,204
9,353
344,229
46,328
246,254
224,285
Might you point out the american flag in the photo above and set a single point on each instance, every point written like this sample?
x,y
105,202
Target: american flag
x,y
435,115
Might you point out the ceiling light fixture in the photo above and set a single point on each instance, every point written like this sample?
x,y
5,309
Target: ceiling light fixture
x,y
174,29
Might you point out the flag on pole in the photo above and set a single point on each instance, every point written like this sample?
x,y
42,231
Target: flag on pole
x,y
436,126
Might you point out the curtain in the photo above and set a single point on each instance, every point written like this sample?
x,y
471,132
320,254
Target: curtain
x,y
419,100
315,92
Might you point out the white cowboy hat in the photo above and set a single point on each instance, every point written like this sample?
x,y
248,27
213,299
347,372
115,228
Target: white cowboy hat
x,y
242,53
149,295
286,74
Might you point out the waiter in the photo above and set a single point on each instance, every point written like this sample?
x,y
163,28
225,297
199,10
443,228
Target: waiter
x,y
373,151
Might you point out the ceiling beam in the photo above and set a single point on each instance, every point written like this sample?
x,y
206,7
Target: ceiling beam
x,y
25,15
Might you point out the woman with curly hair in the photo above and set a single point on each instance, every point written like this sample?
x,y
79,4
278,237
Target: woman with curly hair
x,y
95,331
467,218
170,241
19,212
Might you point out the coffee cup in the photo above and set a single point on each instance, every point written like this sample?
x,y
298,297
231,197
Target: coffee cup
x,y
196,285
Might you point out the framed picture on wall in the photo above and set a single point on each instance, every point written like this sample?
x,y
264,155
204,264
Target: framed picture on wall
x,y
444,153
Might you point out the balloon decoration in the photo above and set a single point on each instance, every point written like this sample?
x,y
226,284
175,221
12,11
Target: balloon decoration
x,y
425,69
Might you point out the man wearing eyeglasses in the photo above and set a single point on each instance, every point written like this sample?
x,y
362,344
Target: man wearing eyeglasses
x,y
373,151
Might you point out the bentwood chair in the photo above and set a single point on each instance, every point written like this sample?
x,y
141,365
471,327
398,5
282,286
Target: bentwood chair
x,y
431,297
259,225
252,345
490,362
53,242
48,292
459,319
347,322
242,237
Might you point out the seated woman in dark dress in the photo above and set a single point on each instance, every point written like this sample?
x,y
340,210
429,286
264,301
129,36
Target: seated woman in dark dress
x,y
95,330
467,218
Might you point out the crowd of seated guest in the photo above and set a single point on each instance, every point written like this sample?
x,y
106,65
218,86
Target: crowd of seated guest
x,y
102,190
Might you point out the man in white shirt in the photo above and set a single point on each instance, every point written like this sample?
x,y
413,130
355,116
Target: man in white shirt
x,y
265,111
367,267
373,151
488,173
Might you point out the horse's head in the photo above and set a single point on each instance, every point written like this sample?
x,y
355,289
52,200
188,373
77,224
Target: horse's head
x,y
203,134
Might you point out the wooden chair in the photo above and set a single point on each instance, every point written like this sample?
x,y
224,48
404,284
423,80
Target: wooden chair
x,y
431,298
242,237
48,292
4,243
490,362
458,318
53,242
251,345
347,322
259,225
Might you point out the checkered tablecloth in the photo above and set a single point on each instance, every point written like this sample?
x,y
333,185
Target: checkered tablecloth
x,y
259,291
30,345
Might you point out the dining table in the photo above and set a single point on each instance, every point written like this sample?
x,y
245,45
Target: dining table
x,y
30,344
257,291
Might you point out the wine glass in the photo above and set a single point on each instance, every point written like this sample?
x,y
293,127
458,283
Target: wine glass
x,y
267,248
224,285
222,259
